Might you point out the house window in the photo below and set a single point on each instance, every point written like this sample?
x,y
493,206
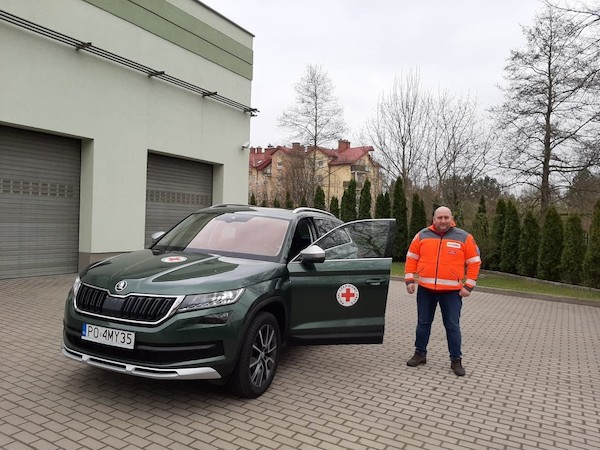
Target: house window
x,y
320,163
279,164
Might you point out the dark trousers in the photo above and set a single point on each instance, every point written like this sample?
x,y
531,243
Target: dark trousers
x,y
451,304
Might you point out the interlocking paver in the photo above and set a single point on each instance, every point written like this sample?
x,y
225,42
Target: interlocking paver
x,y
533,368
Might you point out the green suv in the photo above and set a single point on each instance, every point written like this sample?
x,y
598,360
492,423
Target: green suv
x,y
219,295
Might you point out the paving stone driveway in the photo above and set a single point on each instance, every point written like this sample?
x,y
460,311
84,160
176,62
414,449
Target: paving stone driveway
x,y
533,382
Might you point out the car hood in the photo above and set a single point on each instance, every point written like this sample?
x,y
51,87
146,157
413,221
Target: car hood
x,y
177,273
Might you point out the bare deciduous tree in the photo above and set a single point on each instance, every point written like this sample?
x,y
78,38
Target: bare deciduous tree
x,y
316,117
550,115
458,144
398,128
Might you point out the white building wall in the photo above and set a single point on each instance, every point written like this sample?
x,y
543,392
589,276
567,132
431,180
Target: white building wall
x,y
121,114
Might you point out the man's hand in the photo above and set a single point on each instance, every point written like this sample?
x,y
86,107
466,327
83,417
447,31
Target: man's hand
x,y
464,292
411,287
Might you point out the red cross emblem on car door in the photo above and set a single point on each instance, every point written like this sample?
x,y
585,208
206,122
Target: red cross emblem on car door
x,y
347,294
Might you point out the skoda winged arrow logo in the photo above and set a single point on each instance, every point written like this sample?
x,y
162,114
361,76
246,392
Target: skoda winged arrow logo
x,y
120,285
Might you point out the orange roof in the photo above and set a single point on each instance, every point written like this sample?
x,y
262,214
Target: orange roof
x,y
261,158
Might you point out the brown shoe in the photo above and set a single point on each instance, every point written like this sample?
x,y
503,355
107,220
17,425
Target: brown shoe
x,y
418,358
457,367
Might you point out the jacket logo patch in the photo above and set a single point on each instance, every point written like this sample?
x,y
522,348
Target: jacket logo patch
x,y
453,244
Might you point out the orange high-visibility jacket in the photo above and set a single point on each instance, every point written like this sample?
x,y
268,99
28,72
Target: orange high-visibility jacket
x,y
440,260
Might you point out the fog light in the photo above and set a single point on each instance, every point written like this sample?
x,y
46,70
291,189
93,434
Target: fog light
x,y
215,318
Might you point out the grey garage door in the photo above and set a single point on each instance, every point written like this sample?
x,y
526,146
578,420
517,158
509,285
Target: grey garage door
x,y
39,203
175,188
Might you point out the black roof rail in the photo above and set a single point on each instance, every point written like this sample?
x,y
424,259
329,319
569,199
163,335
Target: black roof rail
x,y
307,209
224,205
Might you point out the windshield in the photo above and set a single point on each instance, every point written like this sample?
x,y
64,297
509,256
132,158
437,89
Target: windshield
x,y
234,234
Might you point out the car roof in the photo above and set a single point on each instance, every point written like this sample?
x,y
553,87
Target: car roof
x,y
265,211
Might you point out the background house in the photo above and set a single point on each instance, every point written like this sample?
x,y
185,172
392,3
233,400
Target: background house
x,y
275,171
117,119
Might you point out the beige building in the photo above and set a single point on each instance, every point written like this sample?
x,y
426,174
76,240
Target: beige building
x,y
276,171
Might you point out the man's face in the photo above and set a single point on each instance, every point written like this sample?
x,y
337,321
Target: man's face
x,y
442,220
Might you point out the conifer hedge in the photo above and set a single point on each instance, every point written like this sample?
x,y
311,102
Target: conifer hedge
x,y
399,212
510,240
481,232
551,245
571,261
529,246
497,234
364,205
348,206
334,206
591,261
319,199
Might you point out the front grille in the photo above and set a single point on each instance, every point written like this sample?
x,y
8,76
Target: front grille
x,y
138,308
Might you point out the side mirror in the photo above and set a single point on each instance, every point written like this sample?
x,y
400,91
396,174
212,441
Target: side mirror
x,y
156,236
312,254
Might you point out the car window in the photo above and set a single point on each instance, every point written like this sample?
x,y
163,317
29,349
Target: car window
x,y
302,238
362,239
324,225
228,233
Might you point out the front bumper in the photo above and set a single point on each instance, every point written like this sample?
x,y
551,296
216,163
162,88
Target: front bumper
x,y
188,373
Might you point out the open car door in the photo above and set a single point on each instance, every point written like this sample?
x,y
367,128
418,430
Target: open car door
x,y
339,285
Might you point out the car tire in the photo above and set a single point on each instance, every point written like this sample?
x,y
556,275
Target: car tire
x,y
258,358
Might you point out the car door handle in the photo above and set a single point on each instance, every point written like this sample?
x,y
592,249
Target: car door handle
x,y
376,281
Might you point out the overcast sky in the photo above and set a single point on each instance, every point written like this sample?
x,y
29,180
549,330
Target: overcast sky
x,y
457,45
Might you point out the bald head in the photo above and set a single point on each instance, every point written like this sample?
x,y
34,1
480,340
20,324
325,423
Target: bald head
x,y
442,219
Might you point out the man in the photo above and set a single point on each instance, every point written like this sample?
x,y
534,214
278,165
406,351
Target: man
x,y
439,255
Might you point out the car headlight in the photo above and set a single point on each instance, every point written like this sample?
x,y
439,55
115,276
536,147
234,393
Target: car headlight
x,y
203,301
76,286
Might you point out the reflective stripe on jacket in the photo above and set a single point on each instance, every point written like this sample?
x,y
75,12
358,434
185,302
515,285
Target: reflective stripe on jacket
x,y
440,260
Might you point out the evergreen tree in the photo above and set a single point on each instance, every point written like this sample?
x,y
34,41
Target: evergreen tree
x,y
364,205
529,246
496,236
348,206
379,206
303,201
481,231
418,219
387,205
510,240
591,261
334,206
399,212
551,245
571,261
276,203
252,199
319,200
289,204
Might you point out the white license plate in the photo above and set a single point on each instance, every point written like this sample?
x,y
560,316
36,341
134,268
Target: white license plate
x,y
107,336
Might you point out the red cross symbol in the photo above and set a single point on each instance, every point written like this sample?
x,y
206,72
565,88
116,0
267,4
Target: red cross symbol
x,y
348,295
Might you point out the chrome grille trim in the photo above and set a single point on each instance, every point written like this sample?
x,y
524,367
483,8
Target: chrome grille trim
x,y
135,308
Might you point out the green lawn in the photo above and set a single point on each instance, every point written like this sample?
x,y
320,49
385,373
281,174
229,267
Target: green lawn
x,y
515,283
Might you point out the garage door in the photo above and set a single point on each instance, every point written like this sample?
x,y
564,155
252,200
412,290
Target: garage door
x,y
39,203
175,188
